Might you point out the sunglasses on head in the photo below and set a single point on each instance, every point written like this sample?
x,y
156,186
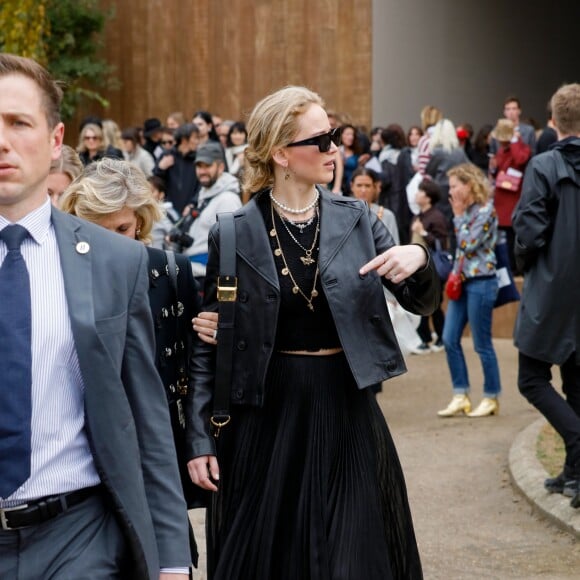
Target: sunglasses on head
x,y
322,141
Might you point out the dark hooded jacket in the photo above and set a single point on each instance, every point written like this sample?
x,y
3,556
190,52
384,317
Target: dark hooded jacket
x,y
182,186
546,222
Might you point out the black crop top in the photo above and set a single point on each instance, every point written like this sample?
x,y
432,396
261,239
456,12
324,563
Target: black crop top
x,y
299,327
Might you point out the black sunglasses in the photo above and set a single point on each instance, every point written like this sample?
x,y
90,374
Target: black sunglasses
x,y
323,141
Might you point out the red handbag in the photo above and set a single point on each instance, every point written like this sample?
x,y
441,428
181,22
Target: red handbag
x,y
454,285
506,181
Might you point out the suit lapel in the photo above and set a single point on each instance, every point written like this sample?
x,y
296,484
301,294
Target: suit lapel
x,y
338,218
76,264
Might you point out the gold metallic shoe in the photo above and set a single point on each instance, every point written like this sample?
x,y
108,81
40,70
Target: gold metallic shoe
x,y
488,406
459,404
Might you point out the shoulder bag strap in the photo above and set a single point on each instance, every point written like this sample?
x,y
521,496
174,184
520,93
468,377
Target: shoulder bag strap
x,y
227,293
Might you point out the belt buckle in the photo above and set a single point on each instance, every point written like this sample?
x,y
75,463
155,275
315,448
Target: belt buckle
x,y
3,521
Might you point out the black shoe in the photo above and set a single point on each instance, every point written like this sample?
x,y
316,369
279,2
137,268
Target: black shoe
x,y
556,484
575,501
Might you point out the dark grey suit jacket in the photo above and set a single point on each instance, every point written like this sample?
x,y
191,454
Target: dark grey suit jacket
x,y
127,419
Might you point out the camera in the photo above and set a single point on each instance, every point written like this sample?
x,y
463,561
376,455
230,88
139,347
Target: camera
x,y
178,234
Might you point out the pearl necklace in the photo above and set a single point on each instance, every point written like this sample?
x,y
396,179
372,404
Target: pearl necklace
x,y
291,210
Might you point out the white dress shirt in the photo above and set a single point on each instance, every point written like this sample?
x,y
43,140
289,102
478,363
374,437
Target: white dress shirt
x,y
61,458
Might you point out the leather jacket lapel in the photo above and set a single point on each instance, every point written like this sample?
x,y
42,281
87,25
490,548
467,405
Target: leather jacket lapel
x,y
337,220
254,245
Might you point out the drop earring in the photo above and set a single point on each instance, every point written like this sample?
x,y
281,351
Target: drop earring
x,y
286,174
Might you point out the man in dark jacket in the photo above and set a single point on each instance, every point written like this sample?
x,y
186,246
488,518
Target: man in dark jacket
x,y
546,222
177,168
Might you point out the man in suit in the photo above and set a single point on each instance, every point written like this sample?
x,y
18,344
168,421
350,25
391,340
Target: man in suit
x,y
89,486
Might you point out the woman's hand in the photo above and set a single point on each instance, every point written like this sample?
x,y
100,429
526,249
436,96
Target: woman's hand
x,y
458,205
397,263
205,324
201,469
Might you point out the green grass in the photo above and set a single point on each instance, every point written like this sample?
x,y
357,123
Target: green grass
x,y
550,450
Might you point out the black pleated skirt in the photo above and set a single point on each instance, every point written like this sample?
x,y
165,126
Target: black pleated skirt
x,y
311,487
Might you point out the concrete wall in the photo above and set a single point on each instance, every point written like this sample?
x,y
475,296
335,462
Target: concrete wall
x,y
467,56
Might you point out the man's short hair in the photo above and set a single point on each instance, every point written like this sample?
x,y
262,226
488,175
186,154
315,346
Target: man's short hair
x,y
566,109
512,99
11,64
184,132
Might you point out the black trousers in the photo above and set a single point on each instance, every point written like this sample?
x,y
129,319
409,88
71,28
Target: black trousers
x,y
534,382
438,318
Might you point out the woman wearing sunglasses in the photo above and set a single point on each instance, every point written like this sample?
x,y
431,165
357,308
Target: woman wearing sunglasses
x,y
307,479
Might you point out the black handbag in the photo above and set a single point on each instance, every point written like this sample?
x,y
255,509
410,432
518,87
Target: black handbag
x,y
227,286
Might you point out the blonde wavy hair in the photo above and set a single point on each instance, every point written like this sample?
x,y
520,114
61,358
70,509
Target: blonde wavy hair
x,y
444,135
98,131
108,186
475,179
430,115
273,124
68,163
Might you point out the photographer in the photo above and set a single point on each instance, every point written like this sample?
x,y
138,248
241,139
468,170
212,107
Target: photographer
x,y
220,192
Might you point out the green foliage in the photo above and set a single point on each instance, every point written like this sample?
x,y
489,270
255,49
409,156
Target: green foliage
x,y
72,51
23,28
65,35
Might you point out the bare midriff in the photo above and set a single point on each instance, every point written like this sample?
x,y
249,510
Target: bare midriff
x,y
321,352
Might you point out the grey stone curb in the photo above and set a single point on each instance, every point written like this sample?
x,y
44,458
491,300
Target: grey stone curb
x,y
528,474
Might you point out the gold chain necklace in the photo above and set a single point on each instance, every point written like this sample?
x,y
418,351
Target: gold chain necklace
x,y
286,270
307,259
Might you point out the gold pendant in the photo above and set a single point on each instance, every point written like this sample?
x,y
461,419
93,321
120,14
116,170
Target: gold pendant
x,y
284,271
277,252
295,289
306,260
314,293
272,233
311,307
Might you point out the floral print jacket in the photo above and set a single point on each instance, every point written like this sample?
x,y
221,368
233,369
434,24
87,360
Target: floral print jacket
x,y
476,233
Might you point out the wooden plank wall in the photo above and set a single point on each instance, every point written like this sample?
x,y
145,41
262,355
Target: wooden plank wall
x,y
224,55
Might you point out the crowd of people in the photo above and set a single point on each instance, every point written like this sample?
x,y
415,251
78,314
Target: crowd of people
x,y
111,342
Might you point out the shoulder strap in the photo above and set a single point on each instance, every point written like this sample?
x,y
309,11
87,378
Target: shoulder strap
x,y
172,270
227,294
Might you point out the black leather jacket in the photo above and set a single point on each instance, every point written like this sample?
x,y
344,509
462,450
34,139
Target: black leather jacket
x,y
350,236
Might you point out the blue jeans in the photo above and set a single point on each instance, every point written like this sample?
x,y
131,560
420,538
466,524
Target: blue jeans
x,y
475,306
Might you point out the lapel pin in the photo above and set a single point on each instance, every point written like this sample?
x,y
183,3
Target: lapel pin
x,y
83,247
